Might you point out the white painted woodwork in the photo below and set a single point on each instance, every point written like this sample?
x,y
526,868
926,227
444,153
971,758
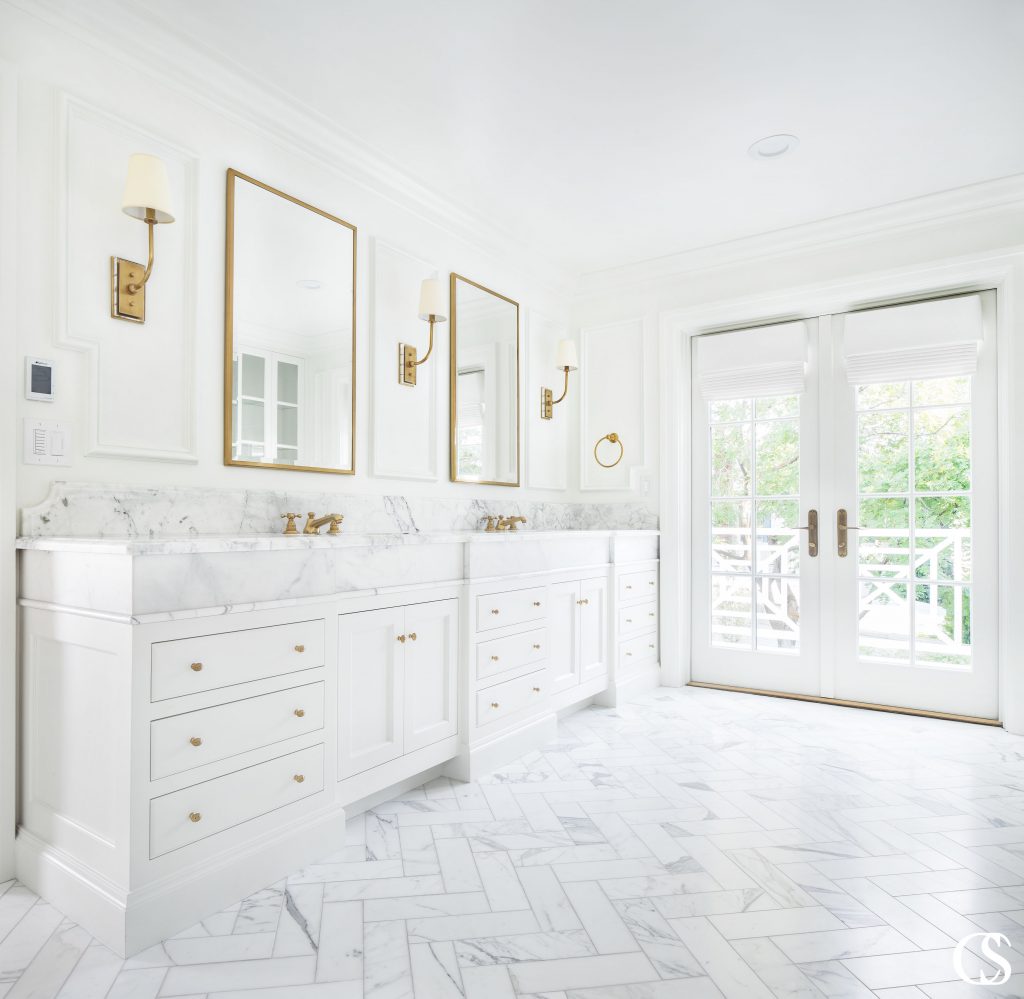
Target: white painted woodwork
x,y
547,441
634,652
593,628
640,618
500,656
510,697
431,673
564,637
194,738
499,610
194,813
638,585
195,664
371,699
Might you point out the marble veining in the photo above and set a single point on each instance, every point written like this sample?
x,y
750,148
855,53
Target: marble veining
x,y
82,509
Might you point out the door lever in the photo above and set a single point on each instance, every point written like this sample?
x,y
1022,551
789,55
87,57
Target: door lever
x,y
811,527
842,541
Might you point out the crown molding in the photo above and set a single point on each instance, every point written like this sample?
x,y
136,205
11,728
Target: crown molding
x,y
973,201
194,71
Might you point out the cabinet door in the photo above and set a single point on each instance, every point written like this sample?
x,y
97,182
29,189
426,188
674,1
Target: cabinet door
x,y
563,635
371,681
593,628
431,673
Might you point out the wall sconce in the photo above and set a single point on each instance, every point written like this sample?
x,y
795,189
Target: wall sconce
x,y
565,360
431,304
147,196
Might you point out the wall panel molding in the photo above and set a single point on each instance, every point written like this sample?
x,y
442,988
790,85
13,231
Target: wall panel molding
x,y
152,363
547,441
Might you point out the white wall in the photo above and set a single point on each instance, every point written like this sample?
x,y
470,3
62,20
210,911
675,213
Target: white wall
x,y
145,403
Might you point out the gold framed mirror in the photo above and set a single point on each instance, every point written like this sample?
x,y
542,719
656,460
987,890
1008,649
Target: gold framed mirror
x,y
289,332
484,361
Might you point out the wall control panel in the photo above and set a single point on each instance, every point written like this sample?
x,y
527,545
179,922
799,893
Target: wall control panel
x,y
38,379
47,442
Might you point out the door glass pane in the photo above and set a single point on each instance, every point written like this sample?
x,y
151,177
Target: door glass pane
x,y
914,514
253,372
755,510
287,382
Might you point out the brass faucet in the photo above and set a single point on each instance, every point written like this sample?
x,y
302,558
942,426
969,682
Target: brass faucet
x,y
509,523
490,528
314,523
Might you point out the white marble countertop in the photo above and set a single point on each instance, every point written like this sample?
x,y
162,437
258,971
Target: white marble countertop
x,y
202,544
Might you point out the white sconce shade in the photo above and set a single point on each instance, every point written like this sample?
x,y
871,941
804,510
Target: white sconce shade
x,y
565,356
432,300
147,189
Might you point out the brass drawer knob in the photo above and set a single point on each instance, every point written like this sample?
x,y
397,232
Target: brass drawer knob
x,y
401,638
300,648
651,614
629,586
494,610
536,690
300,713
536,603
298,778
650,582
650,646
537,647
196,741
629,653
494,704
412,636
494,659
194,816
629,620
196,667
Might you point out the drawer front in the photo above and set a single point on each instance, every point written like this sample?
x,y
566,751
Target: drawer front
x,y
504,699
638,620
190,740
639,650
193,813
189,665
498,610
514,652
638,585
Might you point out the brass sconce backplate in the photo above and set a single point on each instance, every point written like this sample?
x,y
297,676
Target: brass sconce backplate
x,y
547,405
406,364
125,304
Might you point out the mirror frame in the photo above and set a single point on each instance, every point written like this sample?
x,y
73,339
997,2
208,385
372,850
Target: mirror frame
x,y
452,354
229,309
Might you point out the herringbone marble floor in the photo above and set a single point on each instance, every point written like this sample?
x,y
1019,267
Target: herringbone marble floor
x,y
693,845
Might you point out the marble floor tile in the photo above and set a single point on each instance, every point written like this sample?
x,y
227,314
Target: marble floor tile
x,y
690,845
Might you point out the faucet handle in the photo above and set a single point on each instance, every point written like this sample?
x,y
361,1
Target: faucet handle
x,y
336,519
290,527
490,524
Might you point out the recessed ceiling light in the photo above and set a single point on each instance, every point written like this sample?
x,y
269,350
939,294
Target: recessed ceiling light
x,y
310,284
772,147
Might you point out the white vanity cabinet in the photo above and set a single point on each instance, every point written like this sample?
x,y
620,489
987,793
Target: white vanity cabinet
x,y
398,671
578,632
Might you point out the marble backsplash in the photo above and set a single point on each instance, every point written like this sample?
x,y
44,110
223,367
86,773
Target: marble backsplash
x,y
81,509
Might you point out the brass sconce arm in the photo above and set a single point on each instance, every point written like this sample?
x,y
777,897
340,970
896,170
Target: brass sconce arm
x,y
135,286
565,390
566,362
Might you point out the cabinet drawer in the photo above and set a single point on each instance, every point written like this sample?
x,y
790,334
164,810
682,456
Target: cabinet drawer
x,y
503,699
193,813
514,652
638,619
190,740
498,610
638,585
636,651
189,665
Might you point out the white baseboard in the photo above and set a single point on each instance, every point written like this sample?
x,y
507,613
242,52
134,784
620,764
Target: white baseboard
x,y
625,688
128,922
362,791
509,745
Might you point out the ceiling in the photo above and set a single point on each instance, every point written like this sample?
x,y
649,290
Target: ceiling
x,y
610,131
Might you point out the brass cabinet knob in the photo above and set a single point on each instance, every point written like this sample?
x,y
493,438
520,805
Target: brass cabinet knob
x,y
629,586
401,638
194,816
629,620
536,603
651,614
412,636
650,646
494,659
300,648
650,582
196,667
298,778
300,713
536,690
494,704
196,741
495,610
629,653
537,647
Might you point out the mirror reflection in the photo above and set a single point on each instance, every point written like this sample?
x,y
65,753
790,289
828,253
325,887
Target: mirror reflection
x,y
290,332
484,385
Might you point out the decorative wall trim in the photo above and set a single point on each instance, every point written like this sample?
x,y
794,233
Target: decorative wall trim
x,y
99,444
547,441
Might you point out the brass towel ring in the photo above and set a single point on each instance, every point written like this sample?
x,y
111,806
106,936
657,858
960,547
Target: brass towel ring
x,y
612,439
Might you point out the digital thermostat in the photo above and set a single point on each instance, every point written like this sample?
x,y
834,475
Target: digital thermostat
x,y
38,379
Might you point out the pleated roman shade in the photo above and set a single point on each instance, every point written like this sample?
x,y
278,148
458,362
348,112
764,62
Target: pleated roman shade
x,y
936,339
767,361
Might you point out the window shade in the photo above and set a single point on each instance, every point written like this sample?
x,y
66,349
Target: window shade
x,y
936,339
769,360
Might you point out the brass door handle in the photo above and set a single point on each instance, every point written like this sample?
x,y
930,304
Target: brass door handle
x,y
811,527
194,816
300,713
842,527
196,667
195,741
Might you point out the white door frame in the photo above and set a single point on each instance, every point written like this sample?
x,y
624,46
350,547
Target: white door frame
x,y
1003,271
9,370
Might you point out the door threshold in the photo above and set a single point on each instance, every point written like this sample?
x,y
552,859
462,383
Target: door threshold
x,y
815,699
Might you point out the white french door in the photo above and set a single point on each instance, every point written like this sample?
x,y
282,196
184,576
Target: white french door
x,y
844,507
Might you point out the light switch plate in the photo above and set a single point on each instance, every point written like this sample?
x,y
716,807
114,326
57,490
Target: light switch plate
x,y
47,442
